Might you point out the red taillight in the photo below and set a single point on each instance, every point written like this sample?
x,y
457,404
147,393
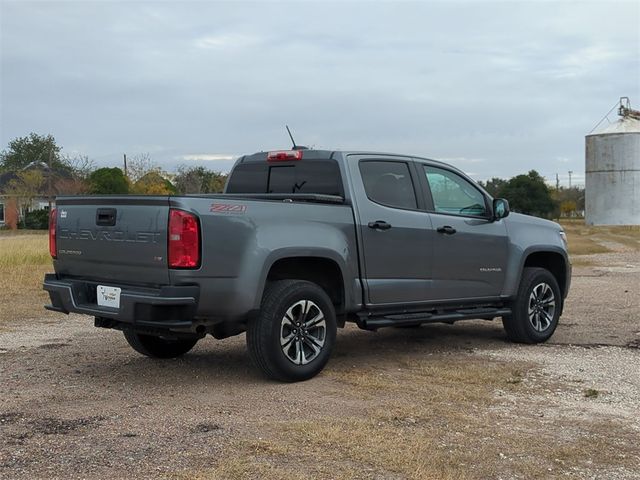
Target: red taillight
x,y
184,240
53,250
284,155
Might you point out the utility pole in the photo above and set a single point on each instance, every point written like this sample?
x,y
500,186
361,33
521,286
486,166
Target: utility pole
x,y
49,174
557,182
570,172
125,164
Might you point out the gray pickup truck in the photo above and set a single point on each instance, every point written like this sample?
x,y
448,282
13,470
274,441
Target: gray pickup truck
x,y
301,242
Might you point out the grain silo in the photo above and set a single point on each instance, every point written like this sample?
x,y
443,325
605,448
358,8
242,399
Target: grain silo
x,y
612,186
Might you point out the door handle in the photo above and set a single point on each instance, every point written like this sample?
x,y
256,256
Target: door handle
x,y
447,230
106,217
379,225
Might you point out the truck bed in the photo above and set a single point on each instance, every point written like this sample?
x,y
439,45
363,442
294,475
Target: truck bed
x,y
121,241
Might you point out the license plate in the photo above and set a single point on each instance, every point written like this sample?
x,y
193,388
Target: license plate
x,y
108,296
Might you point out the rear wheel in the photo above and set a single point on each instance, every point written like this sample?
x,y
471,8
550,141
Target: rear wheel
x,y
159,347
536,310
292,337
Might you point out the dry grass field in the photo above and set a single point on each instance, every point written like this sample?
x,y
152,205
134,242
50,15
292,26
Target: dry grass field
x,y
586,240
437,402
24,259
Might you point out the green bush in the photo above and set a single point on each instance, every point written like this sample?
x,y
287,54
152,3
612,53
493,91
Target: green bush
x,y
108,181
36,220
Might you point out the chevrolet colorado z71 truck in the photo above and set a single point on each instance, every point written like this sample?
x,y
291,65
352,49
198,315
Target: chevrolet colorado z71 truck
x,y
301,242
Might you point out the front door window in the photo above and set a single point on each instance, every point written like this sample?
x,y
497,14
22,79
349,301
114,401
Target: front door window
x,y
453,194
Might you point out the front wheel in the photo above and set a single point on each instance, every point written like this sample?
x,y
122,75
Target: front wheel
x,y
536,309
159,347
292,336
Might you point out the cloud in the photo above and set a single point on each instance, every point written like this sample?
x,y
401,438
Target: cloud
x,y
209,157
496,87
462,160
582,61
226,41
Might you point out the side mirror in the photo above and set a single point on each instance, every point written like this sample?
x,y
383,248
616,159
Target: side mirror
x,y
500,208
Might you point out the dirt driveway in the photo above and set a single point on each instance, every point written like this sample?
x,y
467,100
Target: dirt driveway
x,y
435,402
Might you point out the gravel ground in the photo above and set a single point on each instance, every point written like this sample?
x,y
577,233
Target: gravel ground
x,y
610,373
77,402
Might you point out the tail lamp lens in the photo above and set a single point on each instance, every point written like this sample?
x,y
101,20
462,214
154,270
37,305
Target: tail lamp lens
x,y
184,240
53,249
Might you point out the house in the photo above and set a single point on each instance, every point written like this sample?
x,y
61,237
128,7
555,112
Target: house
x,y
14,207
9,212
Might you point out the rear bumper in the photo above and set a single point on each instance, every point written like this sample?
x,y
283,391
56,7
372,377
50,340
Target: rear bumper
x,y
167,308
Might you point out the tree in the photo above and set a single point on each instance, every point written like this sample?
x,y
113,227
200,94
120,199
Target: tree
x,y
528,194
571,201
32,148
25,187
74,179
199,180
147,178
81,166
190,179
568,208
140,165
108,181
216,183
493,186
71,186
153,183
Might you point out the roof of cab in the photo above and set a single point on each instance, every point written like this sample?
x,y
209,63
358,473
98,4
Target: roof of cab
x,y
310,154
307,154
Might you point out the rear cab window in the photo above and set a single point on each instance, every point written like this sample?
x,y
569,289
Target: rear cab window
x,y
307,176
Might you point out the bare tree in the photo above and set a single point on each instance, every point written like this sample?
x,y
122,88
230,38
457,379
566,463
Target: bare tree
x,y
81,166
71,186
190,179
140,165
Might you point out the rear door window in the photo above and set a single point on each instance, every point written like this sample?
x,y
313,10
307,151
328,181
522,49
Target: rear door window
x,y
388,183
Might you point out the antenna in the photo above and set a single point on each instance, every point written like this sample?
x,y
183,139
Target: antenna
x,y
295,147
291,137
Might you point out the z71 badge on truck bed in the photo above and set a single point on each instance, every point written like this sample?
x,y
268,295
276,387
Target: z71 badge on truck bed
x,y
301,242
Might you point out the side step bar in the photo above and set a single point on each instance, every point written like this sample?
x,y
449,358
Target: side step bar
x,y
368,322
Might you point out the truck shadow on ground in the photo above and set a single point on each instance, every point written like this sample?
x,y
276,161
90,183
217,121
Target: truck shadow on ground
x,y
228,361
441,337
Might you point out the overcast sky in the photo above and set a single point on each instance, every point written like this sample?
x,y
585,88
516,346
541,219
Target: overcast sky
x,y
494,88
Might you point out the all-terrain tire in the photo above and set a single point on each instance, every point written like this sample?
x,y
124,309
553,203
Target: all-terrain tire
x,y
295,316
536,309
159,347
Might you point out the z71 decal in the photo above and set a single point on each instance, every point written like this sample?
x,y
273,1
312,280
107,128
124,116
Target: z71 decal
x,y
227,208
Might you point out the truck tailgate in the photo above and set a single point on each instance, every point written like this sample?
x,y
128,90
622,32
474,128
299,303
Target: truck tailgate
x,y
113,239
